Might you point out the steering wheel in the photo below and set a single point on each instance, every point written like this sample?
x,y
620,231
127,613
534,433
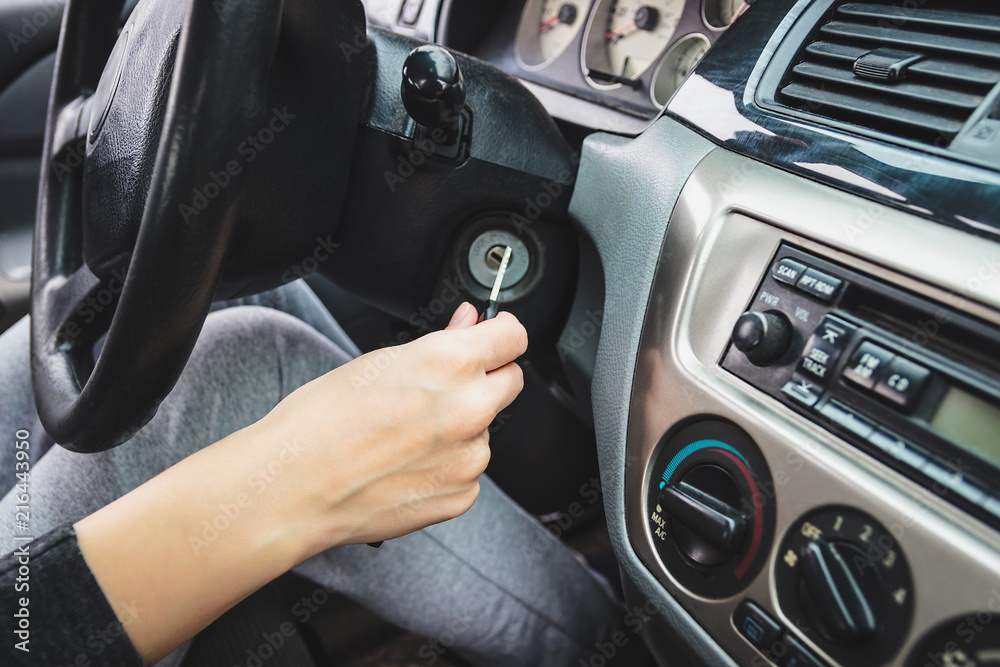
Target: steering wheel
x,y
159,153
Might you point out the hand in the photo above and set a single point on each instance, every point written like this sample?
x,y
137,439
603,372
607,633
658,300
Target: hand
x,y
397,439
382,446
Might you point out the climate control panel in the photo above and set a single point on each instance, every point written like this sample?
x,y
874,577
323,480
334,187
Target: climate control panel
x,y
711,507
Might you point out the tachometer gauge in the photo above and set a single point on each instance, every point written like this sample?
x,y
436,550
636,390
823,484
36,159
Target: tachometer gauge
x,y
720,13
547,27
676,65
624,37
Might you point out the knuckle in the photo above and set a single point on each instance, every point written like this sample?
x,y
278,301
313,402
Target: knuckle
x,y
478,458
518,333
518,378
479,406
466,499
461,425
459,359
522,339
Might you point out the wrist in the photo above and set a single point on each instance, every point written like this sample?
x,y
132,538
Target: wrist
x,y
277,492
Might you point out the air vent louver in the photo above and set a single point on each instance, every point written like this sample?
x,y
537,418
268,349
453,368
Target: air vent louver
x,y
913,72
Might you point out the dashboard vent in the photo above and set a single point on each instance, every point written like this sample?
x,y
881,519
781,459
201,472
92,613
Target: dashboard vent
x,y
915,70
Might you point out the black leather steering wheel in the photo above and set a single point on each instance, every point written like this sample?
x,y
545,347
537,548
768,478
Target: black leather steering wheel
x,y
149,205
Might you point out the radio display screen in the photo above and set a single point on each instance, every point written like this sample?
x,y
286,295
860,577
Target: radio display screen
x,y
971,423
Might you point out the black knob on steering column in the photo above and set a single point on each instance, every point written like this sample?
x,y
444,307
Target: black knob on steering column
x,y
433,89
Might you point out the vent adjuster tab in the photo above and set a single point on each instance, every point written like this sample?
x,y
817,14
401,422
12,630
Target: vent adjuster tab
x,y
885,65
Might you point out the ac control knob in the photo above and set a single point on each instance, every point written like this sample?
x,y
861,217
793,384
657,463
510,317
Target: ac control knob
x,y
763,337
842,578
703,506
709,508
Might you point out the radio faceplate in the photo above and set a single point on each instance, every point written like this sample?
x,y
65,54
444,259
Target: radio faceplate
x,y
910,381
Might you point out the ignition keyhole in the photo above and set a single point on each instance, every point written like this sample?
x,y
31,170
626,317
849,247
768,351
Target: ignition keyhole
x,y
495,255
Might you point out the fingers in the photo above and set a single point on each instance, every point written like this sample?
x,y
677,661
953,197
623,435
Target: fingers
x,y
465,316
504,383
499,341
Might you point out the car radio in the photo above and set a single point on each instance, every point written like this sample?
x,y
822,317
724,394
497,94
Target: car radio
x,y
913,382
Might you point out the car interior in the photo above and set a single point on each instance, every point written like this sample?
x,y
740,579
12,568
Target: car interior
x,y
754,245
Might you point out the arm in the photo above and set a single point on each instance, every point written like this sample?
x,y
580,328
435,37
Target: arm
x,y
380,447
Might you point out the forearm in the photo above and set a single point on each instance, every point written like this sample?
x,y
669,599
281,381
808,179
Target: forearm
x,y
186,546
390,443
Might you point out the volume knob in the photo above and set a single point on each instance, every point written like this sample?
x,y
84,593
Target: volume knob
x,y
763,337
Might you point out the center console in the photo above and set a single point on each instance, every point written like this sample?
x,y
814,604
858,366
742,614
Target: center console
x,y
814,434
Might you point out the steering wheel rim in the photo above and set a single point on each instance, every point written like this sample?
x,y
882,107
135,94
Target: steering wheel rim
x,y
216,93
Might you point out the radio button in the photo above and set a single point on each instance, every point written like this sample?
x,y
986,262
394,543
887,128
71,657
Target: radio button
x,y
897,449
798,654
954,482
902,382
756,626
867,365
823,349
844,418
802,390
992,506
820,285
788,271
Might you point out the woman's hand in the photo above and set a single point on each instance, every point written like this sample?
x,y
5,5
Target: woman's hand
x,y
397,439
382,446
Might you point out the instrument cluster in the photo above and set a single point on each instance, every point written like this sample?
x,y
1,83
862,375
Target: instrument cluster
x,y
627,54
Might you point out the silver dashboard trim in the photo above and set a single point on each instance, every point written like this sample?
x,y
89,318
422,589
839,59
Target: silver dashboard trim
x,y
587,114
730,218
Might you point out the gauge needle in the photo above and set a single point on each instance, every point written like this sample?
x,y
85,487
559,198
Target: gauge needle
x,y
619,30
548,24
739,12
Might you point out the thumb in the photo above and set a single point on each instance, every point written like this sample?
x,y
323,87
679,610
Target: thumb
x,y
465,316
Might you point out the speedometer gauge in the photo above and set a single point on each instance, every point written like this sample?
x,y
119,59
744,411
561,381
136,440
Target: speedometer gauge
x,y
676,65
547,27
624,38
720,13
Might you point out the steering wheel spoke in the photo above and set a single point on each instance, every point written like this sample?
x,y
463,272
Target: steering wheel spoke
x,y
152,315
69,133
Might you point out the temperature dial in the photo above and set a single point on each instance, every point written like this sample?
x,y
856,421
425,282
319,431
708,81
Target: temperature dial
x,y
710,507
843,581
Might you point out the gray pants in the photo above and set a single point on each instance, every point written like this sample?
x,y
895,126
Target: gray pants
x,y
493,582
